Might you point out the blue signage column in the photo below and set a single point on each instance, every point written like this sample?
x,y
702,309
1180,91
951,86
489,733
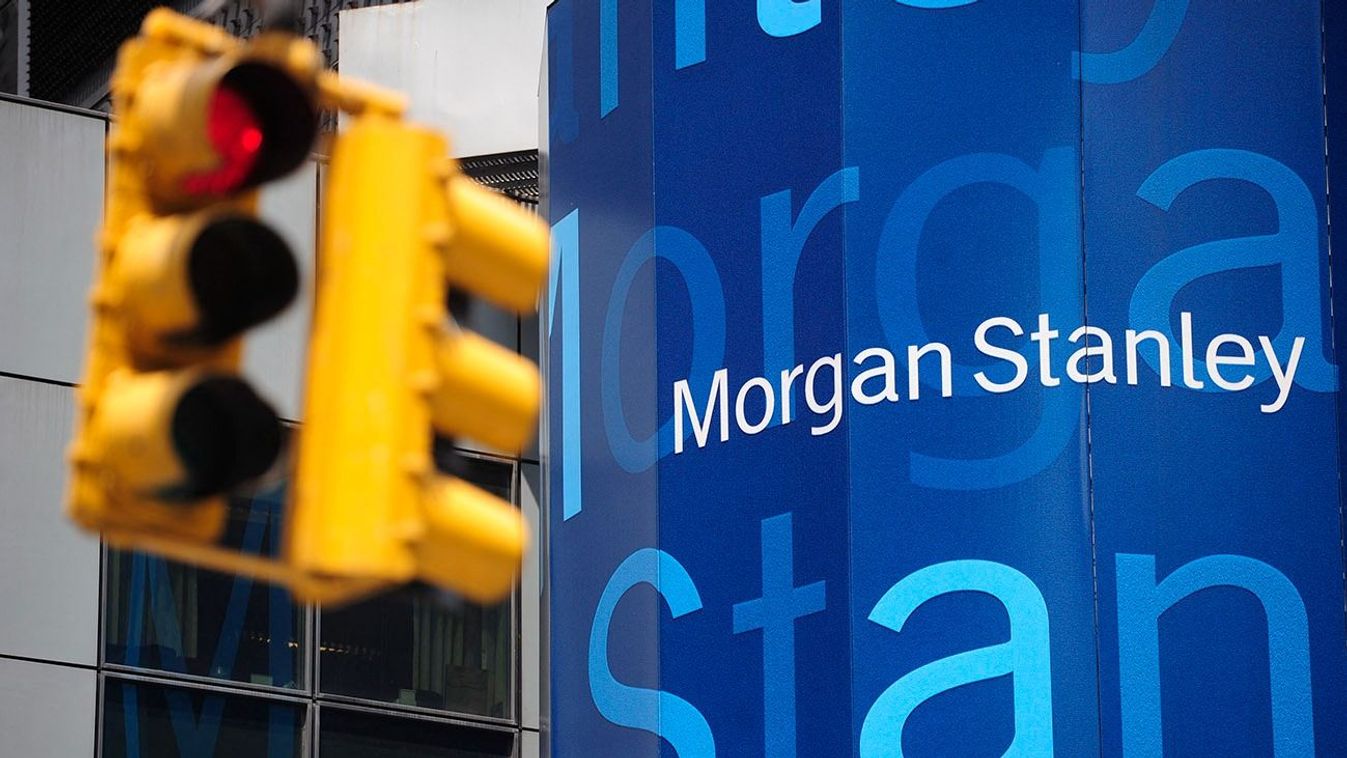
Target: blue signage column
x,y
700,551
935,377
749,187
1213,417
970,516
600,316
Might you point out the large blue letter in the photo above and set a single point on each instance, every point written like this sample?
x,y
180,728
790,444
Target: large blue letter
x,y
1294,249
655,711
609,73
564,277
1141,602
689,44
1055,189
775,614
198,735
787,18
1141,55
782,243
936,4
708,338
1026,656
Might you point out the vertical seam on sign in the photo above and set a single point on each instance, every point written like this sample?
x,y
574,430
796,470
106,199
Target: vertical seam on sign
x,y
1089,441
657,464
848,605
1332,311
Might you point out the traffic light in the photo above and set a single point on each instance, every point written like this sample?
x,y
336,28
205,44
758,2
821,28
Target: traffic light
x,y
166,427
389,368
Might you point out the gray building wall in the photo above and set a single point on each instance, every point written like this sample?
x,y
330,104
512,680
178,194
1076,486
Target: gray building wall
x,y
51,195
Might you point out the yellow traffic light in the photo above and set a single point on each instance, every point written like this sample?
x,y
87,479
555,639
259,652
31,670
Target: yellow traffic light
x,y
165,425
388,368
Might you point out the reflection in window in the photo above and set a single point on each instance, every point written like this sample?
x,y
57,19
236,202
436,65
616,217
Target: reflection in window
x,y
413,648
354,734
153,721
186,620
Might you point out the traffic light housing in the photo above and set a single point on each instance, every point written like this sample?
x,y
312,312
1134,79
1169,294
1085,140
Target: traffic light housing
x,y
166,427
389,368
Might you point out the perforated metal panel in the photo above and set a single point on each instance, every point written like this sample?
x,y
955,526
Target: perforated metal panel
x,y
74,45
69,42
514,174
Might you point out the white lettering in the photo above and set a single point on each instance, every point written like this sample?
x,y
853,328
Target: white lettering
x,y
886,371
1104,350
1011,356
788,377
719,396
914,354
1284,378
1134,339
1215,360
769,406
834,404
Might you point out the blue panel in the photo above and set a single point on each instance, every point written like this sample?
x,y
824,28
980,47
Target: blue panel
x,y
964,123
601,205
1217,508
742,143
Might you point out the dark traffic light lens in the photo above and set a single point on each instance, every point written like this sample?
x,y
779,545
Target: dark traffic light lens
x,y
241,274
224,435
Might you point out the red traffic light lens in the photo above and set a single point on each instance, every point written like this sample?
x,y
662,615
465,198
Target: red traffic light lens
x,y
236,134
254,122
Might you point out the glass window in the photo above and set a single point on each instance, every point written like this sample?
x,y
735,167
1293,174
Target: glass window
x,y
154,721
356,734
186,620
415,647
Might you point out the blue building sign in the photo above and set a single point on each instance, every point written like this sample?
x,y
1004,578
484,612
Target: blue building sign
x,y
944,377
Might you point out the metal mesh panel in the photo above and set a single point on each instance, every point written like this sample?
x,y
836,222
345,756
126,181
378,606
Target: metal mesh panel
x,y
9,46
318,19
513,174
74,44
68,41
